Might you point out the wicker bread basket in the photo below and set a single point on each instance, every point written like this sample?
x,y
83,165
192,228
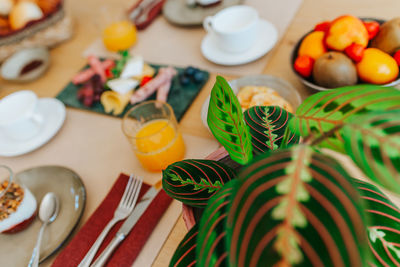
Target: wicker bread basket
x,y
50,31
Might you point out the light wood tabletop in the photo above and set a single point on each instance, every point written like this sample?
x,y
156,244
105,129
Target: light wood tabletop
x,y
104,135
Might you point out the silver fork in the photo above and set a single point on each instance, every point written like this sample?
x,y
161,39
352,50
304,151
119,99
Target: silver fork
x,y
124,208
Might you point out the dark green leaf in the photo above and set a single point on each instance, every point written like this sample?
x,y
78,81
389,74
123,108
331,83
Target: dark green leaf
x,y
267,128
296,208
211,243
225,119
185,254
193,182
383,225
373,142
323,111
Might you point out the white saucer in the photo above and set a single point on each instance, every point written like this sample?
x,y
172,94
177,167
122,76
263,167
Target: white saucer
x,y
266,40
53,112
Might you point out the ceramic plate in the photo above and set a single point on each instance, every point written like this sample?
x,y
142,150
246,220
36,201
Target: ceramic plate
x,y
283,88
16,249
178,12
266,40
53,112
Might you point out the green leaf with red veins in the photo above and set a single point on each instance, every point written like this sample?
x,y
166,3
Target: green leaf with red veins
x,y
193,182
225,120
267,126
383,225
296,207
185,254
324,111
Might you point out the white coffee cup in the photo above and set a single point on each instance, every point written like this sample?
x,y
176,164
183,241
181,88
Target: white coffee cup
x,y
19,117
235,28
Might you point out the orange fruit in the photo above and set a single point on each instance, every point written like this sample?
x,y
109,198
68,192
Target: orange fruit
x,y
377,67
119,36
313,45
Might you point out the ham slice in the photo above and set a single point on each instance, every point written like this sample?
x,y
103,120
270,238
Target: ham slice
x,y
86,74
162,92
164,76
95,64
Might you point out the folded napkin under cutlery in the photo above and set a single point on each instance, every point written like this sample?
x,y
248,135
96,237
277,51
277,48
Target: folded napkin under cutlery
x,y
130,248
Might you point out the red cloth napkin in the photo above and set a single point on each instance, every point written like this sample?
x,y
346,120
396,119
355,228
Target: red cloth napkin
x,y
130,248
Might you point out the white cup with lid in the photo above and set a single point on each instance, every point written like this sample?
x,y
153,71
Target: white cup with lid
x,y
235,29
19,116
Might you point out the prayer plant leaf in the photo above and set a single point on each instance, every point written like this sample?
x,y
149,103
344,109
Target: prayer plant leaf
x,y
267,126
296,207
324,111
185,254
193,182
383,225
212,247
373,142
225,120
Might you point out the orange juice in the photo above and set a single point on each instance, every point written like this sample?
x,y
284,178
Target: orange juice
x,y
119,36
158,145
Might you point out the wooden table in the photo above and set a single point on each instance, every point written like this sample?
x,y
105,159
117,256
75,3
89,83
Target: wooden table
x,y
103,134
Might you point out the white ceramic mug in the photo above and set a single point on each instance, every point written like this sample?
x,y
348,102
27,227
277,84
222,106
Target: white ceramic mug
x,y
235,28
19,117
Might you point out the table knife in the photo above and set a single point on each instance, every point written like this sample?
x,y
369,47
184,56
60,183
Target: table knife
x,y
126,227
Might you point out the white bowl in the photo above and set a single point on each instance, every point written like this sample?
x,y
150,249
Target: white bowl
x,y
282,87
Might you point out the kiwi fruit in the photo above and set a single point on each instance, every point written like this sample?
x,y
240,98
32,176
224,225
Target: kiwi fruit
x,y
388,37
334,69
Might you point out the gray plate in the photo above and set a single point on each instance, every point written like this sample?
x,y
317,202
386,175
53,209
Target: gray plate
x,y
16,249
177,12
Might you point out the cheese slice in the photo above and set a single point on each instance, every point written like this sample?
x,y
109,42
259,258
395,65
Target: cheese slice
x,y
122,86
133,67
115,102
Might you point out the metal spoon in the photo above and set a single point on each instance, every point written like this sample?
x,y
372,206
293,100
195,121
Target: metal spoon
x,y
48,212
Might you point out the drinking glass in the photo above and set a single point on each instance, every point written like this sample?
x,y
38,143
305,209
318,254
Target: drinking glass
x,y
152,131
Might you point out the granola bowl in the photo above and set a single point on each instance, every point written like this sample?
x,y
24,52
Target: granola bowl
x,y
17,204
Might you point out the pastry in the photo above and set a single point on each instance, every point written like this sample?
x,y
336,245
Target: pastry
x,y
5,7
24,12
250,96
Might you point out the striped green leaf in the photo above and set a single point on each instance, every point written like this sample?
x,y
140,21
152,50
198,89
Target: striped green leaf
x,y
296,207
193,182
185,254
373,142
211,243
324,111
225,120
267,128
383,225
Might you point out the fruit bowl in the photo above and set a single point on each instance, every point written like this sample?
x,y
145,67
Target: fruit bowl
x,y
310,82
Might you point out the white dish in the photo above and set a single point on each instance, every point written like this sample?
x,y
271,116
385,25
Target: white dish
x,y
53,113
282,87
268,36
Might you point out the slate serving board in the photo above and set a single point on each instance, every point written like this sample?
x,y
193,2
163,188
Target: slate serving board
x,y
180,97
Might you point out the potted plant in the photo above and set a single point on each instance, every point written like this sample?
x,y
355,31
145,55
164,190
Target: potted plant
x,y
286,202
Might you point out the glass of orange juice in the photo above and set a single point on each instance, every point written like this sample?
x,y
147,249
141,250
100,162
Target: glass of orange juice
x,y
119,35
152,130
